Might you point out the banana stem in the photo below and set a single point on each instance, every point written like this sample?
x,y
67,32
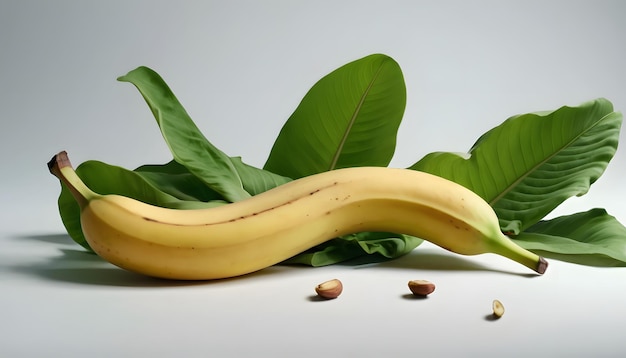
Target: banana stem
x,y
507,248
61,167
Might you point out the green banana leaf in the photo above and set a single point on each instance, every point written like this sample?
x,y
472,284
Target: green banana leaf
x,y
531,163
349,118
110,179
593,237
187,144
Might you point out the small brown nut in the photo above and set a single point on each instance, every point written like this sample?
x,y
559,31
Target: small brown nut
x,y
498,308
421,287
329,289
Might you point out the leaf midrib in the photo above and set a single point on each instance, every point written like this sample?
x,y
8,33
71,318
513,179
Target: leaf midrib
x,y
355,114
515,183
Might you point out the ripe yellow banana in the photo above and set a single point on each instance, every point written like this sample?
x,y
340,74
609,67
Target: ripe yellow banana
x,y
266,229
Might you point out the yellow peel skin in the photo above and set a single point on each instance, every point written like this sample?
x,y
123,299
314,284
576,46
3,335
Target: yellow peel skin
x,y
266,229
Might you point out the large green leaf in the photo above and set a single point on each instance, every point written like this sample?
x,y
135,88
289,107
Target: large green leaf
x,y
348,118
187,144
593,237
110,179
531,163
230,177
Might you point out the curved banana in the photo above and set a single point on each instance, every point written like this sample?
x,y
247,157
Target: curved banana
x,y
264,230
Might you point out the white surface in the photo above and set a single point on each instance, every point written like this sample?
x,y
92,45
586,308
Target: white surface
x,y
240,68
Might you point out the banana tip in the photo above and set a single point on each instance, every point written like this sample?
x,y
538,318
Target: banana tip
x,y
542,266
58,161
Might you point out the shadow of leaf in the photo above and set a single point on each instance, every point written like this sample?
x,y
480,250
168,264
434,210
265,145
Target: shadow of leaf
x,y
428,260
436,261
49,238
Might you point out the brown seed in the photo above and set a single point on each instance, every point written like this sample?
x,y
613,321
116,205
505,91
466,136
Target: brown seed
x,y
329,289
498,308
421,287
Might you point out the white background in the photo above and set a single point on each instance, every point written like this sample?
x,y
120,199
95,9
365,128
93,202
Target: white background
x,y
240,68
